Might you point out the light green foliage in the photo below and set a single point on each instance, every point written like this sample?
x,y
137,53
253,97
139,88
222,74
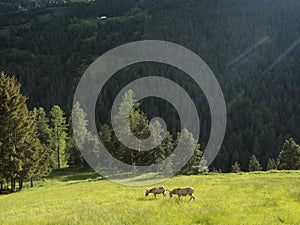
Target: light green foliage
x,y
58,136
289,157
80,197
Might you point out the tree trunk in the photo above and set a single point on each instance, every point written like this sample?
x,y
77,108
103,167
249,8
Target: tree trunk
x,y
1,186
58,156
20,184
31,182
13,185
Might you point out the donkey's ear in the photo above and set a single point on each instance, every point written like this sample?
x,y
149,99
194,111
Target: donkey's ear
x,y
146,189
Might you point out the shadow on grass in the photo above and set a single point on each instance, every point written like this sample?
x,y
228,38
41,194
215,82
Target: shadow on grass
x,y
75,174
145,199
8,191
139,177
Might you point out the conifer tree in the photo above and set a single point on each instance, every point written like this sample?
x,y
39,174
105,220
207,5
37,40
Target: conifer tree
x,y
193,164
58,136
138,126
272,164
74,156
42,125
106,137
289,157
158,153
254,164
42,155
236,167
17,133
168,147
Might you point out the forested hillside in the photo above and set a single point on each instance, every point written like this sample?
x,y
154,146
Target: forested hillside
x,y
251,46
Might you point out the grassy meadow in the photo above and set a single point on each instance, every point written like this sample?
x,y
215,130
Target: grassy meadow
x,y
83,197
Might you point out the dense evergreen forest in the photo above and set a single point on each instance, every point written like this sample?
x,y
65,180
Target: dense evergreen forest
x,y
249,45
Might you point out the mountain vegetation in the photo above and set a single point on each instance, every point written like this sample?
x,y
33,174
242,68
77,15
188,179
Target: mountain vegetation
x,y
250,46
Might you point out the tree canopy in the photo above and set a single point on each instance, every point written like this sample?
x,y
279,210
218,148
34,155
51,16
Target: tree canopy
x,y
248,45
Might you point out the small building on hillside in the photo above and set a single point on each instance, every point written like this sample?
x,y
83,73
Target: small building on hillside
x,y
102,18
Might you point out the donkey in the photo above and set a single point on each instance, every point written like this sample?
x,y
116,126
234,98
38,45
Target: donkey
x,y
156,190
183,192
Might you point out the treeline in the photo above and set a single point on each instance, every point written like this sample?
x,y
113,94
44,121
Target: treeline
x,y
139,126
30,143
49,49
288,159
33,143
9,7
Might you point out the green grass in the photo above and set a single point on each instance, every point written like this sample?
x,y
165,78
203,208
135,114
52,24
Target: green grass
x,y
83,197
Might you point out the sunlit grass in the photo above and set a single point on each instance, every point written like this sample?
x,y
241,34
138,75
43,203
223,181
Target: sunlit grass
x,y
82,197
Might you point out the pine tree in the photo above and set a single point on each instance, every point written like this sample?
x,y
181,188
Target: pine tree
x,y
58,136
138,126
236,168
106,137
43,151
272,164
79,121
17,133
159,152
202,167
42,125
126,105
38,163
254,164
42,155
289,157
1,175
73,155
168,147
188,143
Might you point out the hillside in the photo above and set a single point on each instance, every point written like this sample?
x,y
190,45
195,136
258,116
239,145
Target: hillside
x,y
80,197
248,45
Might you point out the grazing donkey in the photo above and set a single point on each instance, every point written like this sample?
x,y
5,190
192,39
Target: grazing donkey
x,y
156,190
183,192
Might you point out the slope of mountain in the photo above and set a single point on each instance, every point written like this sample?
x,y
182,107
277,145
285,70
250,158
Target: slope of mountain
x,y
251,47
